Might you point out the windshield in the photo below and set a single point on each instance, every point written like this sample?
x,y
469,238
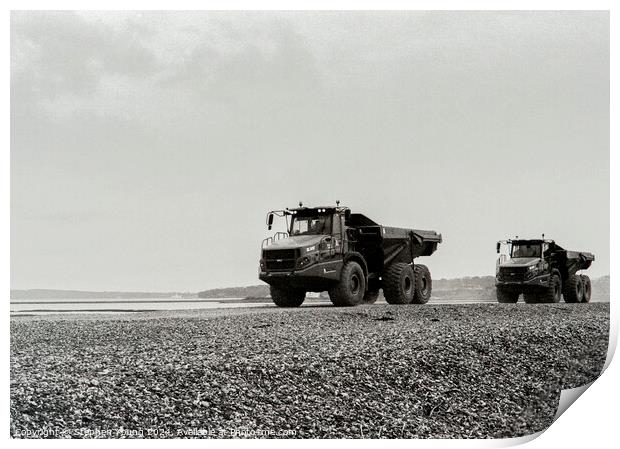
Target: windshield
x,y
317,225
526,250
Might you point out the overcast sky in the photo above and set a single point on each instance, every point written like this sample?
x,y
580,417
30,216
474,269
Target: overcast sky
x,y
146,148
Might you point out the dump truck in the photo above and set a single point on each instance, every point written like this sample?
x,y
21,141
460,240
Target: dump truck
x,y
346,254
543,271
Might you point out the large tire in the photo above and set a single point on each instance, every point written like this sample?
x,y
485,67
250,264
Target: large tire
x,y
282,297
371,297
587,288
423,284
553,293
351,288
506,296
573,289
399,283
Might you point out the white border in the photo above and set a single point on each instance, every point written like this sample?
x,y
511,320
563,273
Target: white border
x,y
303,5
589,422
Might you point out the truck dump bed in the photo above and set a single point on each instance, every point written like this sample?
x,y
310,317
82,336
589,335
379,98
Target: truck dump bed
x,y
574,261
395,244
571,261
423,243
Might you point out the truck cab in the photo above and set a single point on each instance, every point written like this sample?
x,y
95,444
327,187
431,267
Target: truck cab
x,y
306,256
524,263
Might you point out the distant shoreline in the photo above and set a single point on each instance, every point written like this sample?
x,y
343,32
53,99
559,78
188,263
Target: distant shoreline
x,y
478,285
126,301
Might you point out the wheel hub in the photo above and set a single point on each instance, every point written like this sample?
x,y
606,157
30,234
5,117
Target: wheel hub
x,y
407,284
354,285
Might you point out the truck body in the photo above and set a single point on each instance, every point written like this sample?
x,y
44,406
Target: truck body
x,y
542,271
347,254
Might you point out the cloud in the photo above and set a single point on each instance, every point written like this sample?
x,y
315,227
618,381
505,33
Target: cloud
x,y
57,54
138,66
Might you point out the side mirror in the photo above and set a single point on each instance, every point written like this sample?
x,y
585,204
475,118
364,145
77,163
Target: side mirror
x,y
497,247
269,221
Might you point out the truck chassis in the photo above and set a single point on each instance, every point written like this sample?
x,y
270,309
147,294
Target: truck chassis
x,y
547,274
352,260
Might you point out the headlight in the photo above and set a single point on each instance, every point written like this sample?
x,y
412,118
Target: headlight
x,y
304,262
310,248
533,268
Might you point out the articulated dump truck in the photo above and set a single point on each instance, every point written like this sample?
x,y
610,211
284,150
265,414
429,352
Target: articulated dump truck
x,y
346,254
543,271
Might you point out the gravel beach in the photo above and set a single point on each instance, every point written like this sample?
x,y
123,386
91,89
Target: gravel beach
x,y
443,371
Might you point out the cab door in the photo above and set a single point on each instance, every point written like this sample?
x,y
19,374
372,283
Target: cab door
x,y
545,257
338,233
332,243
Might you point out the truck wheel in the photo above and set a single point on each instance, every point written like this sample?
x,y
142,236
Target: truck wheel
x,y
587,288
371,297
573,289
553,293
350,290
399,283
506,296
423,284
286,297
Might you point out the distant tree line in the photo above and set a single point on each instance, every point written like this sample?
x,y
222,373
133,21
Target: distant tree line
x,y
257,291
475,287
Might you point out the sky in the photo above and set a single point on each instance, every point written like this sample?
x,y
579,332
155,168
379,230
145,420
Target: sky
x,y
147,147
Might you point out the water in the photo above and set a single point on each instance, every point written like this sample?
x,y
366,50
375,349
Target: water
x,y
111,305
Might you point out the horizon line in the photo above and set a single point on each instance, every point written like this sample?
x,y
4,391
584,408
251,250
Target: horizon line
x,y
214,288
